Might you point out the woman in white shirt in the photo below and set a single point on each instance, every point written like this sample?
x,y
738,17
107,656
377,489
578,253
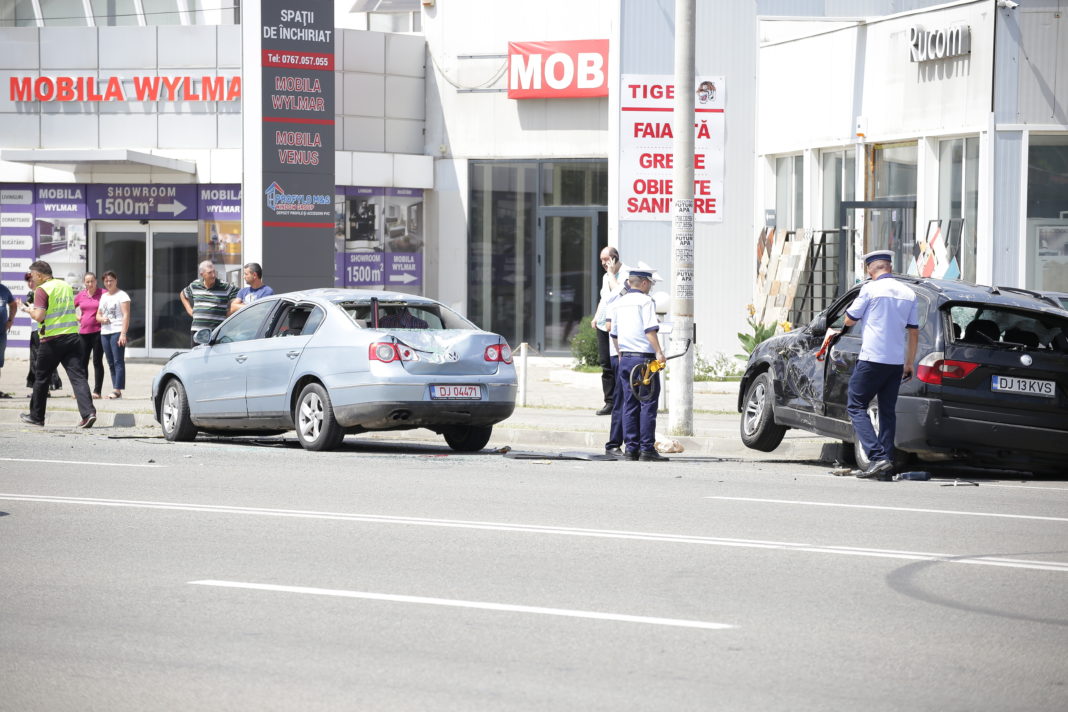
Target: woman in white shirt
x,y
114,318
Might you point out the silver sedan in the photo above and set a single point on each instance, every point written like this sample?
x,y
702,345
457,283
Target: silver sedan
x,y
328,362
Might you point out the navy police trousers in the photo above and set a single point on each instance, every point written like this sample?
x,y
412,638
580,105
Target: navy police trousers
x,y
870,380
639,419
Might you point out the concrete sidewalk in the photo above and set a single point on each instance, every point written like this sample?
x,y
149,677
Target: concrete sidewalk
x,y
560,413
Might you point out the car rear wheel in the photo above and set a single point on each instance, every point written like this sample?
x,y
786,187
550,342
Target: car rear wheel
x,y
758,427
314,417
174,413
468,438
899,458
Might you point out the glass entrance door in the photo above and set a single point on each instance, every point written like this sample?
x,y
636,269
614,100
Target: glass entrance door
x,y
154,262
886,225
568,270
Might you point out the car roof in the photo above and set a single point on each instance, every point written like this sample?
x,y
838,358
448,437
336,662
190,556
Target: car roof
x,y
951,290
337,296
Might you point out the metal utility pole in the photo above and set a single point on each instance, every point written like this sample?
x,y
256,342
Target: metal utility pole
x,y
680,395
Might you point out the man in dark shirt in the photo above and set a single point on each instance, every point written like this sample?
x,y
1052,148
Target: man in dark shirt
x,y
401,318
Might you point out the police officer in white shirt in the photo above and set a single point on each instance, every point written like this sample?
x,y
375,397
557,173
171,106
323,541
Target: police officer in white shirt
x,y
634,329
890,334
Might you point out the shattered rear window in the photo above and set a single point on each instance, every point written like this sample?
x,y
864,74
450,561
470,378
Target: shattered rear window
x,y
395,314
1003,327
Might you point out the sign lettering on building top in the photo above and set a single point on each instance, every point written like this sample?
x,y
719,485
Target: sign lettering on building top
x,y
115,88
555,70
927,45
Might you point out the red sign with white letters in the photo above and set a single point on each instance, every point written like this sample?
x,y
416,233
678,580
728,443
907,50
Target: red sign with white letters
x,y
556,70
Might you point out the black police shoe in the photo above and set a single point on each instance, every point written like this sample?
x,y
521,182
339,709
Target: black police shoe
x,y
615,452
877,470
606,410
652,456
630,455
28,419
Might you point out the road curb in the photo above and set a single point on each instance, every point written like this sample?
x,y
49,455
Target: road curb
x,y
799,449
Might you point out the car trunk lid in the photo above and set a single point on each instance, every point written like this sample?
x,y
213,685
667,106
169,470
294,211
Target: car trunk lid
x,y
445,352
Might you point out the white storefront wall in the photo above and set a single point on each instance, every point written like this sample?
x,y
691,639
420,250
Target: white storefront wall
x,y
469,115
821,82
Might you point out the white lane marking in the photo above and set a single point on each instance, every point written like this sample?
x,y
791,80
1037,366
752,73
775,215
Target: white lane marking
x,y
559,531
75,462
941,480
456,603
893,509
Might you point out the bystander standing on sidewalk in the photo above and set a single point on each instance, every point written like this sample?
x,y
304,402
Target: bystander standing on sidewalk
x,y
615,277
114,318
207,300
8,309
86,304
254,289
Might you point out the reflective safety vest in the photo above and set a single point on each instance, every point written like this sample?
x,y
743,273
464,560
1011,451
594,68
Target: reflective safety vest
x,y
60,317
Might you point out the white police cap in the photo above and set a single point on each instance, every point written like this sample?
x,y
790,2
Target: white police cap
x,y
646,272
875,255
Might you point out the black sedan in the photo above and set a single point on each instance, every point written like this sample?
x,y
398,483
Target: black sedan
x,y
991,385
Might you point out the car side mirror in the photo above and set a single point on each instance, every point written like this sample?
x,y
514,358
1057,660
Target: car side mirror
x,y
818,327
202,336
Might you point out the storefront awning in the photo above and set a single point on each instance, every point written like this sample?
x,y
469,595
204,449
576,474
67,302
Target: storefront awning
x,y
115,157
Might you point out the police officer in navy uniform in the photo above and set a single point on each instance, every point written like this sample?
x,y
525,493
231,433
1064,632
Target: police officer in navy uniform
x,y
888,309
634,330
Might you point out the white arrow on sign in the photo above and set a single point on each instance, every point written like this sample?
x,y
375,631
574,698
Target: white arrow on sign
x,y
401,278
172,208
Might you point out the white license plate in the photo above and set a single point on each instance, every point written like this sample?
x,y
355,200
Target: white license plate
x,y
456,392
1027,386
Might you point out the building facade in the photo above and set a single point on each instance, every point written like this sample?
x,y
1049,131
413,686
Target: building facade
x,y
937,131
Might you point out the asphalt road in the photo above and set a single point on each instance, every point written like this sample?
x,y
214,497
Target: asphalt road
x,y
144,575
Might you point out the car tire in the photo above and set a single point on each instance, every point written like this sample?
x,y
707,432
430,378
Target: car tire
x,y
899,458
468,438
758,428
174,413
317,430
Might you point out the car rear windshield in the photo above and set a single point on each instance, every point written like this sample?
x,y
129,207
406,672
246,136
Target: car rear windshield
x,y
404,315
1003,327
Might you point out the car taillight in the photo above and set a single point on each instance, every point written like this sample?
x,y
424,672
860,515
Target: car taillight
x,y
499,352
387,352
935,369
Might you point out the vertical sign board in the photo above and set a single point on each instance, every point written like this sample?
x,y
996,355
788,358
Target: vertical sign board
x,y
404,239
219,220
646,163
17,251
297,105
62,240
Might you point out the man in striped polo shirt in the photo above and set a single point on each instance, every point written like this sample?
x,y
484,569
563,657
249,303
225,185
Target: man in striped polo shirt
x,y
208,300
